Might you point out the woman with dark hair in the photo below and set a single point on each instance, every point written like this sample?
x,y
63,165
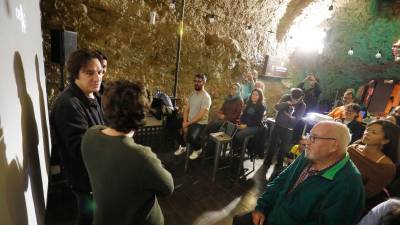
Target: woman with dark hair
x,y
126,177
251,117
376,155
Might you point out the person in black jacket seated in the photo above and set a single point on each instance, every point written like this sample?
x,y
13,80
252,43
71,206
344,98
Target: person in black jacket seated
x,y
291,108
349,118
251,118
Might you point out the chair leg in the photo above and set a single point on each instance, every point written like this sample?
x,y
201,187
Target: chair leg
x,y
241,159
187,157
216,160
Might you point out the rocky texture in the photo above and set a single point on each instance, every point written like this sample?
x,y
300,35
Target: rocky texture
x,y
242,33
366,26
138,50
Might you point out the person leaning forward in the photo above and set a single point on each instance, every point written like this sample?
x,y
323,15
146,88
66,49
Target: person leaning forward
x,y
322,186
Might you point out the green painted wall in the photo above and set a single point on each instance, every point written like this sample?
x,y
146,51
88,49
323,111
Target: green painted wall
x,y
367,26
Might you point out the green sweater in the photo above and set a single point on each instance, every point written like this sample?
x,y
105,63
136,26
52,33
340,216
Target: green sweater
x,y
335,196
126,179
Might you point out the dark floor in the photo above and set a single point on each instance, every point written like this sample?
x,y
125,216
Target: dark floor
x,y
196,200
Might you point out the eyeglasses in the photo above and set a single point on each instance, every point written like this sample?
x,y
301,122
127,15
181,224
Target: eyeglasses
x,y
312,138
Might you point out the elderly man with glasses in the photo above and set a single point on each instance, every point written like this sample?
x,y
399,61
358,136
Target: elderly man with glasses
x,y
322,186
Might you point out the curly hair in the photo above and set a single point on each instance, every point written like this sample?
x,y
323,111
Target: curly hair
x,y
124,105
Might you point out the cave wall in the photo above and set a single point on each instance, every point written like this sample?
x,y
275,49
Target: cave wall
x,y
365,26
226,48
138,50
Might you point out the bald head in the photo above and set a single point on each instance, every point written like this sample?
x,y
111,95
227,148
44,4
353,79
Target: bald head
x,y
336,130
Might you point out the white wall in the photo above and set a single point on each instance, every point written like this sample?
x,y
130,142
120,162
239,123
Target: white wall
x,y
24,133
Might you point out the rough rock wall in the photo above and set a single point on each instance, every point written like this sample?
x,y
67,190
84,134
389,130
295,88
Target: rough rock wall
x,y
365,26
138,50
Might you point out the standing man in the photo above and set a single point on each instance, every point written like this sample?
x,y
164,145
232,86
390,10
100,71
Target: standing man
x,y
291,108
322,186
195,118
104,65
312,90
76,109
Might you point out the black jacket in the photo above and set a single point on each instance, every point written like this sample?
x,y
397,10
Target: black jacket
x,y
73,113
288,116
356,130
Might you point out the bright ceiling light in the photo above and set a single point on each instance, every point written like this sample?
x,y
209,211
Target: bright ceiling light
x,y
309,39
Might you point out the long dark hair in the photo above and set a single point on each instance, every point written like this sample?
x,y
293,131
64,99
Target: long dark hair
x,y
392,133
260,100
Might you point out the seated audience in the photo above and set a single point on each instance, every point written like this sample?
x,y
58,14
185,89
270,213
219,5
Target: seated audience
x,y
260,85
386,213
233,105
322,186
195,118
247,85
376,155
290,109
394,116
337,113
349,118
230,111
312,90
126,177
251,118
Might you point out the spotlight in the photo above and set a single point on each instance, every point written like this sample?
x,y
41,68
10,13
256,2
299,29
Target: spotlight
x,y
378,55
248,29
211,18
350,52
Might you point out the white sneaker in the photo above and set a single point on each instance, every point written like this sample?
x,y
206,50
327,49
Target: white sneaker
x,y
180,150
195,154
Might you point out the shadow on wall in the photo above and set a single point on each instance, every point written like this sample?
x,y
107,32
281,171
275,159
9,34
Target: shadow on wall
x,y
43,117
29,171
8,8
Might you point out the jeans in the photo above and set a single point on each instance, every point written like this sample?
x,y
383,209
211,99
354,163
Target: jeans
x,y
242,134
195,135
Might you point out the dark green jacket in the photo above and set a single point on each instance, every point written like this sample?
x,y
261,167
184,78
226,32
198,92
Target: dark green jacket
x,y
334,196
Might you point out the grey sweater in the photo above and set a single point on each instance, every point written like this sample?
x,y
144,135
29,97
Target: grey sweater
x,y
126,179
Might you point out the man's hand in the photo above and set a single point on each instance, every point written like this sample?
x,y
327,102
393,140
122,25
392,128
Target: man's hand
x,y
185,124
241,126
258,218
221,116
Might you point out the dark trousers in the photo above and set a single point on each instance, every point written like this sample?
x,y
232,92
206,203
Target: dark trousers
x,y
195,135
280,143
85,207
245,219
242,134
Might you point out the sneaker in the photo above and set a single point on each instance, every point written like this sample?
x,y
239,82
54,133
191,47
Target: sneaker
x,y
195,154
180,150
